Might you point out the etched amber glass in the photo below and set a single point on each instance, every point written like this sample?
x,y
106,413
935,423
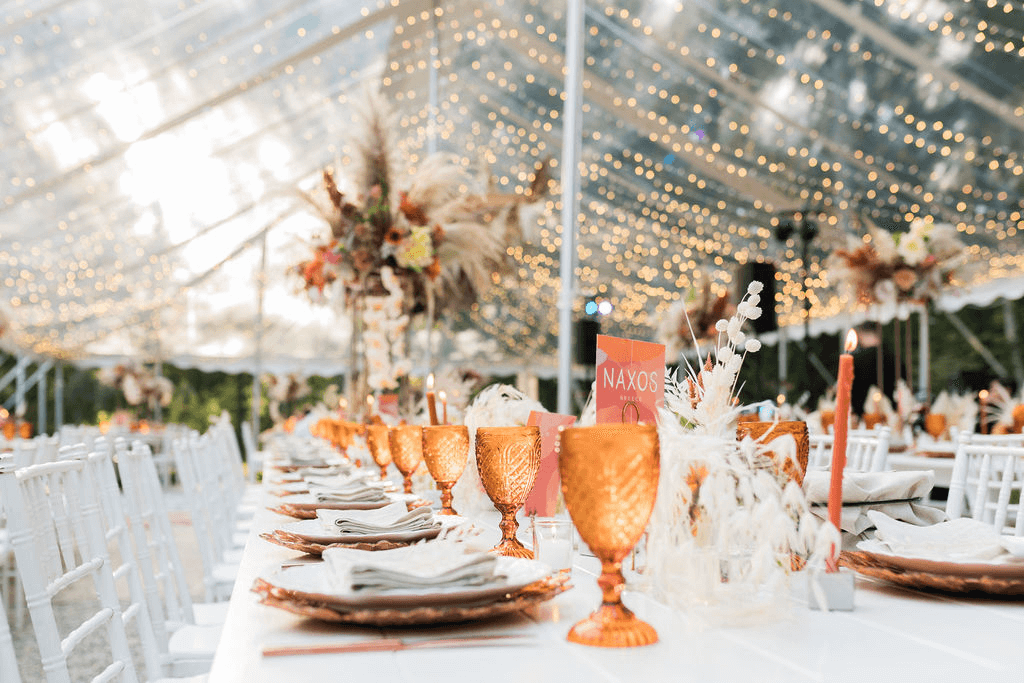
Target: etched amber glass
x,y
935,424
406,442
610,481
508,459
380,448
446,450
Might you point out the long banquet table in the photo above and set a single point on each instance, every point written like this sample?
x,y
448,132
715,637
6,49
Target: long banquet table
x,y
893,634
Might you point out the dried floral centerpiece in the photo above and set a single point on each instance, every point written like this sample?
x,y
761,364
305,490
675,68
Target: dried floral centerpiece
x,y
139,385
902,267
410,241
729,525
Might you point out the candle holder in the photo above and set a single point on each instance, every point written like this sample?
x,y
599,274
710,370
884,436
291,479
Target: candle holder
x,y
446,450
378,441
508,459
406,444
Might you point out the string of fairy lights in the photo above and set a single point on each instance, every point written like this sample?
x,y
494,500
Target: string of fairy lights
x,y
785,108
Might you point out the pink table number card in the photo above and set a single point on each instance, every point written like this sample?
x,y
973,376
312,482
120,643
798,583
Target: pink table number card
x,y
630,380
387,404
543,499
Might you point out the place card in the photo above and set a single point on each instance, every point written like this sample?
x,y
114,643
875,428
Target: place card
x,y
630,380
543,499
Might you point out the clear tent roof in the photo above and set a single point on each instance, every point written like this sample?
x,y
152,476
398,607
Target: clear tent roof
x,y
150,146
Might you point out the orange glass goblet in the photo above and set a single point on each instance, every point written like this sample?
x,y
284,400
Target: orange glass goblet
x,y
508,459
935,424
380,448
610,481
446,450
406,443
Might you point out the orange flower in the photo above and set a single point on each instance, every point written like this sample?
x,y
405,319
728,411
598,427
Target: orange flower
x,y
393,236
434,269
696,476
414,212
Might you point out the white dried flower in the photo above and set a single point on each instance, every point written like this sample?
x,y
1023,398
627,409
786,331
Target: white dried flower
x,y
733,328
724,354
755,313
752,346
738,339
722,325
755,287
753,299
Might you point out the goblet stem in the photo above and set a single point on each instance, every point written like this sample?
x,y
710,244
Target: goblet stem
x,y
408,483
510,545
613,624
383,472
446,498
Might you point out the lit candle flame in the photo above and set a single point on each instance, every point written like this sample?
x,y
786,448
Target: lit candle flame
x,y
370,400
851,341
430,382
444,397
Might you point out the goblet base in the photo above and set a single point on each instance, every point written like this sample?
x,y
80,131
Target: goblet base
x,y
613,625
383,472
407,484
511,547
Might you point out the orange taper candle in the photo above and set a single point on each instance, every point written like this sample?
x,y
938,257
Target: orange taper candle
x,y
444,407
842,421
431,404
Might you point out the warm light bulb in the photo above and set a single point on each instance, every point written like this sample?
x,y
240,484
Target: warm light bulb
x,y
983,394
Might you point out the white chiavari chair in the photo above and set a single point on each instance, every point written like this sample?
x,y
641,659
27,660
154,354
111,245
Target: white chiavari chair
x,y
866,450
253,455
185,651
55,529
988,482
209,521
8,659
163,571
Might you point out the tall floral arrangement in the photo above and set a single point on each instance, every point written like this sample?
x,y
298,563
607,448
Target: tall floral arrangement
x,y
411,240
901,267
139,385
729,524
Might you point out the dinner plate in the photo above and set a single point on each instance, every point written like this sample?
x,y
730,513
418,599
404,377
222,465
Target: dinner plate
x,y
315,581
1011,569
313,531
950,577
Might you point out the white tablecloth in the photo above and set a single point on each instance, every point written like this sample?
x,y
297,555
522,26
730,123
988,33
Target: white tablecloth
x,y
893,635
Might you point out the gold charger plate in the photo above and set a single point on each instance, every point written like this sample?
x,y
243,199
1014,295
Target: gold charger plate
x,y
316,607
304,545
948,577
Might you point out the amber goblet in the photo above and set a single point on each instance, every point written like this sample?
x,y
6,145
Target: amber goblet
x,y
935,424
610,480
446,450
508,459
406,443
380,448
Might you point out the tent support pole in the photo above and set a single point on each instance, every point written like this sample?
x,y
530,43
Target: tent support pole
x,y
58,397
1010,323
783,360
257,402
41,405
19,389
975,343
571,132
924,387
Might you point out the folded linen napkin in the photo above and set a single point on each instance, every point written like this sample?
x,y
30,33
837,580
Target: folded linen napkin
x,y
958,540
436,565
340,481
363,494
388,519
897,494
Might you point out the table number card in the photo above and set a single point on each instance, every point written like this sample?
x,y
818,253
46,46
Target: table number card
x,y
387,404
630,380
543,499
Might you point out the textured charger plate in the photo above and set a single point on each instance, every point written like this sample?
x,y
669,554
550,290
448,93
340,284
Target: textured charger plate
x,y
948,577
308,510
304,545
313,605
